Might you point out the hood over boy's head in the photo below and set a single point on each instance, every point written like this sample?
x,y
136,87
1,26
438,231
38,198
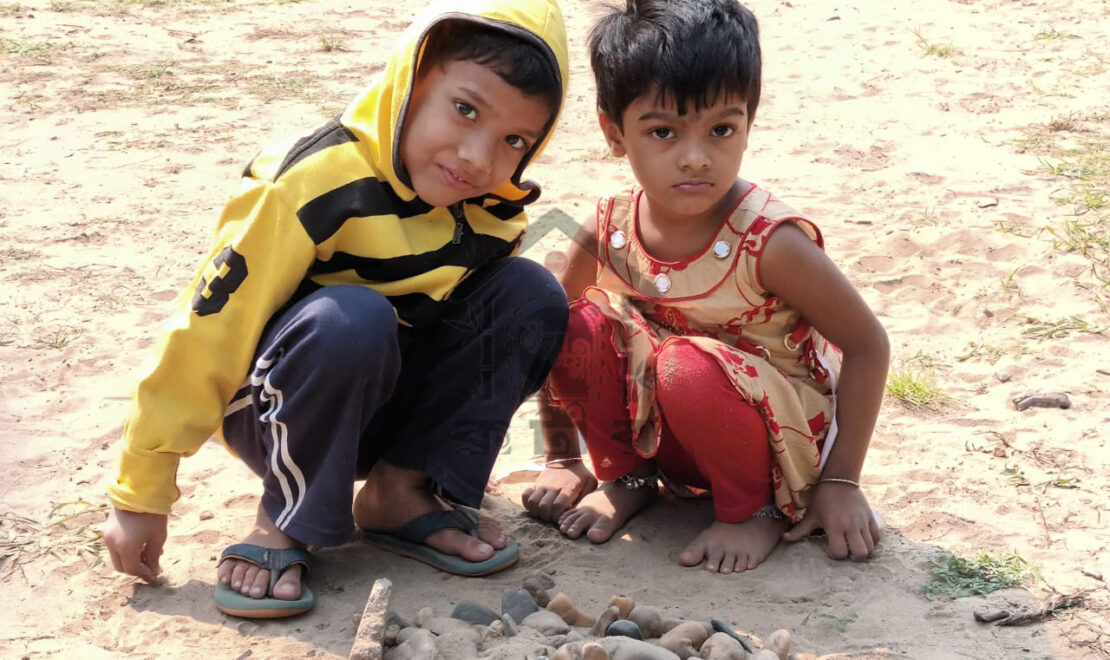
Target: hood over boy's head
x,y
522,41
690,52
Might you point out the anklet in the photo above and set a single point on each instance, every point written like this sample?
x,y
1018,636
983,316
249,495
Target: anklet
x,y
838,480
556,461
769,511
636,483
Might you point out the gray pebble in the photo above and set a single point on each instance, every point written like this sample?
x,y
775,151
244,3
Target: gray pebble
x,y
623,628
476,613
518,603
508,626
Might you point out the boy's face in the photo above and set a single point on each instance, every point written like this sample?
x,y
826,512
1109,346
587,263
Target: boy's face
x,y
466,131
686,164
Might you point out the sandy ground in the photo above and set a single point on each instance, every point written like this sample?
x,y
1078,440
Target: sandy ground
x,y
953,152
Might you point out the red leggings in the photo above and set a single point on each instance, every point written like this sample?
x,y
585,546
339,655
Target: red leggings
x,y
711,437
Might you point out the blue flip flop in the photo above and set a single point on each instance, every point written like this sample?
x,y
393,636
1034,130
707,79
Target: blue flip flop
x,y
409,542
275,560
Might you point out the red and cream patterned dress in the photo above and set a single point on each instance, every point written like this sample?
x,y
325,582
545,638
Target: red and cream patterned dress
x,y
766,350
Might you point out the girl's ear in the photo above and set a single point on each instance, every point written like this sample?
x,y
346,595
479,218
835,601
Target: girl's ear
x,y
613,135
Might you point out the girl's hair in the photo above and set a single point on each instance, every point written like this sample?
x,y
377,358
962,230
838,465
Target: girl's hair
x,y
519,62
688,51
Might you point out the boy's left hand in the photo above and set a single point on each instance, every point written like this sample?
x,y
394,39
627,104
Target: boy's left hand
x,y
842,511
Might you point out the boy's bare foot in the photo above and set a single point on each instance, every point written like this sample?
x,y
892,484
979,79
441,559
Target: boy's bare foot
x,y
604,511
252,581
392,496
734,547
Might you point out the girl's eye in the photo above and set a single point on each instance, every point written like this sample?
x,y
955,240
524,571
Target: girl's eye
x,y
466,110
662,133
517,142
723,130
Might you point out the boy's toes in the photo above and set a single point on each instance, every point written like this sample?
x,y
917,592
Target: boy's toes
x,y
288,586
489,530
256,587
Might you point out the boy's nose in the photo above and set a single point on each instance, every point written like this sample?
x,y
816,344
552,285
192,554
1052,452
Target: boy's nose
x,y
477,153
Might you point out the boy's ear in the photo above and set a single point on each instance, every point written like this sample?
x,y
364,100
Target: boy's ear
x,y
613,135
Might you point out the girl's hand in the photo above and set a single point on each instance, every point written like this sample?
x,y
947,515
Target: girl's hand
x,y
842,511
557,489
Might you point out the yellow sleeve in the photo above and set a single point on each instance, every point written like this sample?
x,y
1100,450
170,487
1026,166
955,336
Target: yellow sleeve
x,y
260,255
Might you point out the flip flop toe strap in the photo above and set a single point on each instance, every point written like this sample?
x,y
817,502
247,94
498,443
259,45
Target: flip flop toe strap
x,y
417,529
275,560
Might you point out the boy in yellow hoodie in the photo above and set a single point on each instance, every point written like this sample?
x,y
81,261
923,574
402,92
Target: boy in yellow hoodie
x,y
361,316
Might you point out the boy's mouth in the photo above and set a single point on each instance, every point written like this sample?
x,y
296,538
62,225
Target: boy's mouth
x,y
454,180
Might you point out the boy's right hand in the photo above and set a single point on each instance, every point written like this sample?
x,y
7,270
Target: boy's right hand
x,y
557,489
135,541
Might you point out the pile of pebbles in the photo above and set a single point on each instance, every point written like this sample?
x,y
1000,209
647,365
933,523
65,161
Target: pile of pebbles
x,y
535,625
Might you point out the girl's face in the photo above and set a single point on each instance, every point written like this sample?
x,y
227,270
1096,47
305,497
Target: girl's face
x,y
686,164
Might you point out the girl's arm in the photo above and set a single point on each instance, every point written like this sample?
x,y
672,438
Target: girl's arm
x,y
799,273
565,478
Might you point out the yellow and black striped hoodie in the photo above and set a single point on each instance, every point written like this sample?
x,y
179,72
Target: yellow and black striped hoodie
x,y
333,207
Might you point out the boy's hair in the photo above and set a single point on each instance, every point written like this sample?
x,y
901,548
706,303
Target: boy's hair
x,y
691,51
519,63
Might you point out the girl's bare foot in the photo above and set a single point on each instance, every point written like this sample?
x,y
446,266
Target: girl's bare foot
x,y
734,547
252,581
604,511
392,496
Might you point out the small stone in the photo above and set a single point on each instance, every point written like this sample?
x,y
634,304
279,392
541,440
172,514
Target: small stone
x,y
547,623
685,638
779,642
624,628
562,605
423,614
611,614
624,604
721,626
476,613
518,603
534,586
207,515
508,625
720,646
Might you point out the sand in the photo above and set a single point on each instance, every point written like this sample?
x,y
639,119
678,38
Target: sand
x,y
925,139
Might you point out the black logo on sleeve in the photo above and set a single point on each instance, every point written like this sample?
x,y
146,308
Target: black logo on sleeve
x,y
228,271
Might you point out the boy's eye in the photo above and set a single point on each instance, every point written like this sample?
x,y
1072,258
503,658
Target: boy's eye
x,y
662,133
723,130
517,142
466,110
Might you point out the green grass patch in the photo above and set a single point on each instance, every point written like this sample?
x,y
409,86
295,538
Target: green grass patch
x,y
1052,34
1058,329
956,577
935,49
71,529
915,385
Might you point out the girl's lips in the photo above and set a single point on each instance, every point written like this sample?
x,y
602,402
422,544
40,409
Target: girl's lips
x,y
693,185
